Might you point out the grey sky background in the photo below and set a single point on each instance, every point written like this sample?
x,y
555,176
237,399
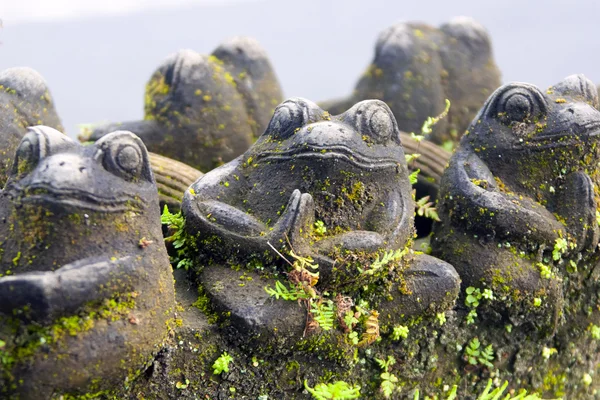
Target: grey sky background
x,y
98,55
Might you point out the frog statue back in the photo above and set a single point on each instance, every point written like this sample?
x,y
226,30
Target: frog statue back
x,y
519,203
86,289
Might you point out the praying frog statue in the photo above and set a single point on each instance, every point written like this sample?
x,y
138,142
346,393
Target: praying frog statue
x,y
333,188
86,288
519,200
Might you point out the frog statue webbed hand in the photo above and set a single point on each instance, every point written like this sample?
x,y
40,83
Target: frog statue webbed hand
x,y
520,193
345,173
85,282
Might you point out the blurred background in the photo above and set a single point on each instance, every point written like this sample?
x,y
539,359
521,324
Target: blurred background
x,y
97,55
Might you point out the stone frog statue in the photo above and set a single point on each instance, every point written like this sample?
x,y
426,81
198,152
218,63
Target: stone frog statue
x,y
519,200
86,289
206,110
346,174
417,66
24,101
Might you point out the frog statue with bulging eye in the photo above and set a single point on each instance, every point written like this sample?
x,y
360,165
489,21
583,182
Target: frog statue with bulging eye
x,y
519,201
216,104
345,174
86,288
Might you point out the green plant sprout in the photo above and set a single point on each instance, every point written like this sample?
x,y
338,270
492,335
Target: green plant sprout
x,y
399,332
319,228
339,390
474,295
560,247
221,364
183,243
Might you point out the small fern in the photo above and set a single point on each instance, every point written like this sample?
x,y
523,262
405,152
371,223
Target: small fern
x,y
414,176
476,355
371,333
379,263
339,390
281,291
426,208
388,380
495,394
324,314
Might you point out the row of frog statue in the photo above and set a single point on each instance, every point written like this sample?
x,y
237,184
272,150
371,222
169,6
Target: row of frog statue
x,y
87,300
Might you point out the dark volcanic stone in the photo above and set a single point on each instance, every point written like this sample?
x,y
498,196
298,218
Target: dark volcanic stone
x,y
416,67
206,110
24,101
86,289
519,201
346,174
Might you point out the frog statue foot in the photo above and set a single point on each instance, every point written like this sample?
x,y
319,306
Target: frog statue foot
x,y
86,289
320,189
519,202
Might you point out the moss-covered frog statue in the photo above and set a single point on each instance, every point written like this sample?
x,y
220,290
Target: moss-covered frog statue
x,y
333,188
519,201
86,289
205,110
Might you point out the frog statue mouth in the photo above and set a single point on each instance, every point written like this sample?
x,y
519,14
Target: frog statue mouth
x,y
577,134
47,195
52,171
332,153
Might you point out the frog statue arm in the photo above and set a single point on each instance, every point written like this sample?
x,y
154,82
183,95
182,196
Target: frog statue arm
x,y
41,297
480,204
233,228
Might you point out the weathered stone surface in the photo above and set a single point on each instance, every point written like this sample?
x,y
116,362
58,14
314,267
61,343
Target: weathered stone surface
x,y
86,288
206,110
332,188
24,101
416,67
251,309
519,202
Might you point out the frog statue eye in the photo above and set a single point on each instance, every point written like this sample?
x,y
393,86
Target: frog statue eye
x,y
291,115
374,119
39,142
577,86
125,155
518,102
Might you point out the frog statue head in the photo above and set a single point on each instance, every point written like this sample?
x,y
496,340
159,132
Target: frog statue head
x,y
416,67
333,188
519,199
85,282
205,110
24,101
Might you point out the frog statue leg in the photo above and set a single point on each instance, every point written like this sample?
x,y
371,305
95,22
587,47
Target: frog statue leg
x,y
42,296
